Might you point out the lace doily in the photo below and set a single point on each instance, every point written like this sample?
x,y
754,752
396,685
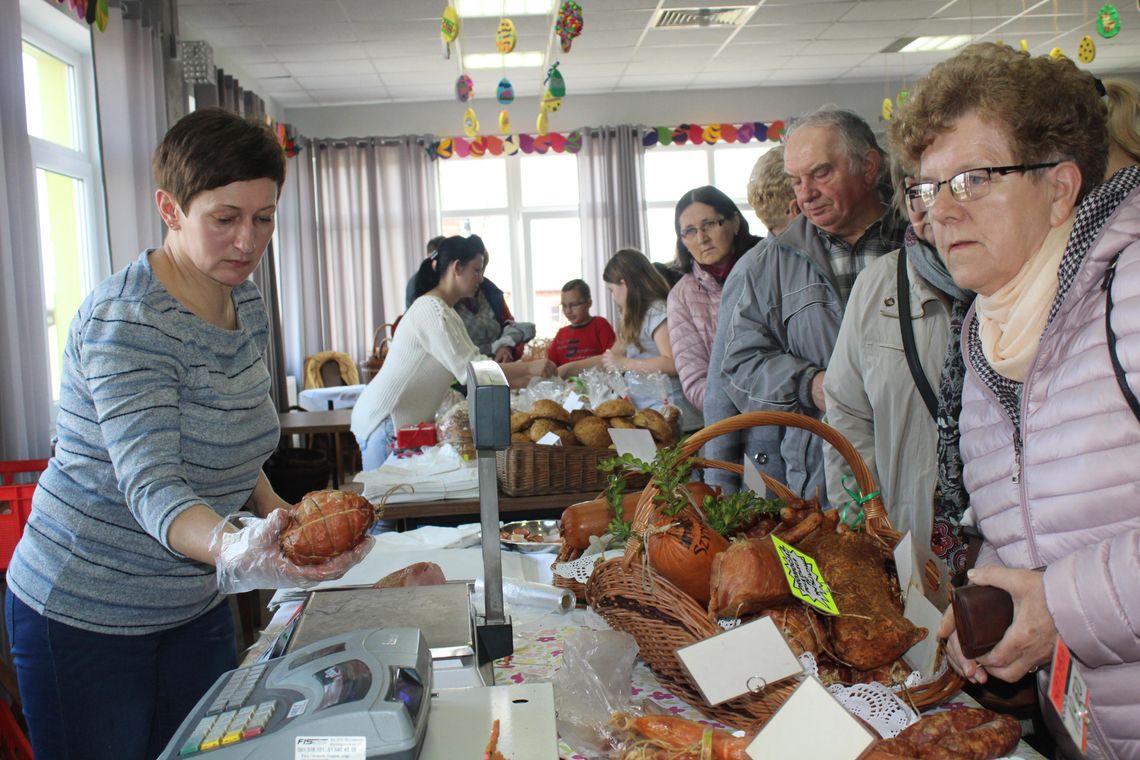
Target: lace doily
x,y
581,568
873,702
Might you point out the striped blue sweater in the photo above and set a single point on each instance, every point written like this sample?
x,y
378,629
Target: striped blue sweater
x,y
159,410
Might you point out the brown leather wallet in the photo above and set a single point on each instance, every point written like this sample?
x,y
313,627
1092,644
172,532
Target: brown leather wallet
x,y
981,616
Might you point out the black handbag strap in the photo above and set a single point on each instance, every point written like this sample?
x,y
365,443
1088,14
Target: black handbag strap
x,y
907,330
1117,369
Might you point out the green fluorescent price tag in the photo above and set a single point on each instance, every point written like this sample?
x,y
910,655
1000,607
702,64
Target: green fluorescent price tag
x,y
804,578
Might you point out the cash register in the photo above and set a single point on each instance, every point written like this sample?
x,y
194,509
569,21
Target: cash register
x,y
367,689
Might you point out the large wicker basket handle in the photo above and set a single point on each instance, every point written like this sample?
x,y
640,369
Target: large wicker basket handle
x,y
875,514
378,341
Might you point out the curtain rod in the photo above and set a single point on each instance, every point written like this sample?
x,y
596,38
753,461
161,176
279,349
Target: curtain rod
x,y
365,142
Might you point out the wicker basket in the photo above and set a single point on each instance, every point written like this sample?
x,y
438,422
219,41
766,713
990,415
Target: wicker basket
x,y
527,469
662,618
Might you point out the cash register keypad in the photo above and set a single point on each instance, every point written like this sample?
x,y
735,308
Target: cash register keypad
x,y
229,719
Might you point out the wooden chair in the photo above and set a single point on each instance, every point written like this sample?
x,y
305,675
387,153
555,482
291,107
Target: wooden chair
x,y
328,369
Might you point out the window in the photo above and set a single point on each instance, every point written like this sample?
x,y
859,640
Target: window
x,y
526,210
671,171
59,103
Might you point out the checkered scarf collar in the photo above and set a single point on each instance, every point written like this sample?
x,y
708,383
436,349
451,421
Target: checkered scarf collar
x,y
1092,215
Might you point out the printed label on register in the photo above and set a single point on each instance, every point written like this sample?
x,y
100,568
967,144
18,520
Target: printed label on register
x,y
328,748
804,578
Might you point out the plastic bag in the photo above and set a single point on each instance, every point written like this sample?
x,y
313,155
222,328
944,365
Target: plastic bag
x,y
648,390
539,388
594,682
454,426
603,385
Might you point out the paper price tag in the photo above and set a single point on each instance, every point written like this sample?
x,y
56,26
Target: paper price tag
x,y
923,656
804,578
906,565
550,439
1069,694
739,660
638,442
572,402
328,748
752,480
795,729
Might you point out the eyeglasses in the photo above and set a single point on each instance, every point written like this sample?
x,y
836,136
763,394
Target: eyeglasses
x,y
572,306
706,227
964,186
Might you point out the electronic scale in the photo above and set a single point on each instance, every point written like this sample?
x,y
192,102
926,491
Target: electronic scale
x,y
367,687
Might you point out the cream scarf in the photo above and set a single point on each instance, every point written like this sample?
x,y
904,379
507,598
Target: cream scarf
x,y
1011,321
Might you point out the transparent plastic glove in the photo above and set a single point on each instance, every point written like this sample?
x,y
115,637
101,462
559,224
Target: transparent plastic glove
x,y
251,557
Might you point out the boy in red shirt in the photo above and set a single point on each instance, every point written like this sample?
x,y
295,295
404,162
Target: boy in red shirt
x,y
585,337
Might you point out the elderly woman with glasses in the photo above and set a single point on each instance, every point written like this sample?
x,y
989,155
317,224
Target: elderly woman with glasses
x,y
1010,151
711,236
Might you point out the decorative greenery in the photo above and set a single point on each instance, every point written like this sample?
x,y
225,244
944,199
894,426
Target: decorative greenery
x,y
669,472
732,511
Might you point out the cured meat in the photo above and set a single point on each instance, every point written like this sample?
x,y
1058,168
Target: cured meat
x,y
325,524
747,577
870,631
418,574
683,549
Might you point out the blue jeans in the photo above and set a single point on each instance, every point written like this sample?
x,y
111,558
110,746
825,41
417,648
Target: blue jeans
x,y
108,697
375,450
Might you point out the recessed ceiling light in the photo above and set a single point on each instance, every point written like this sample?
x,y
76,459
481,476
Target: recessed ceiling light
x,y
497,8
516,60
932,44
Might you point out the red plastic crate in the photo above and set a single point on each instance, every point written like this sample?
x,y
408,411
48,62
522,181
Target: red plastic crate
x,y
15,503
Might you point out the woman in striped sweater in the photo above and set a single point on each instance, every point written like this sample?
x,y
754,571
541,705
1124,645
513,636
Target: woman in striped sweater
x,y
116,607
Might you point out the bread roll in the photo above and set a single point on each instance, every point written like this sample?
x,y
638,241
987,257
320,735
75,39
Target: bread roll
x,y
519,421
651,420
617,407
551,410
592,431
542,426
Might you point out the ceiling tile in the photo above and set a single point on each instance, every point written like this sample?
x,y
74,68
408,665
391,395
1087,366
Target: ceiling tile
x,y
265,70
895,10
346,95
363,79
338,52
780,32
794,13
212,16
329,68
855,30
304,34
294,12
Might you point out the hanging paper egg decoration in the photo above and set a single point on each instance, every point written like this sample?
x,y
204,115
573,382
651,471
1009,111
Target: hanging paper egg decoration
x,y
445,148
1108,21
464,88
506,37
574,141
1086,49
902,98
711,133
887,111
526,143
745,132
569,23
542,124
494,145
775,131
449,24
1056,53
556,85
504,122
478,147
664,135
728,132
505,92
1024,45
760,130
470,122
549,103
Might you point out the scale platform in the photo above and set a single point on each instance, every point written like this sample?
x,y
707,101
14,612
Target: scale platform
x,y
442,613
461,721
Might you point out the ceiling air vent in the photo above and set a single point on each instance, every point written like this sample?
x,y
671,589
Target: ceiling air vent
x,y
692,18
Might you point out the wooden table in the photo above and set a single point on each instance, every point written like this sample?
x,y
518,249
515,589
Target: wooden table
x,y
418,510
330,423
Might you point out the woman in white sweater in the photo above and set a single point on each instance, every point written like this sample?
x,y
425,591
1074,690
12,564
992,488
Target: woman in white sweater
x,y
428,351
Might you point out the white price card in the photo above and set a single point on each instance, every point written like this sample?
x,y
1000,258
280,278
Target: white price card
x,y
752,480
638,442
923,656
572,402
794,731
550,439
906,565
328,748
740,660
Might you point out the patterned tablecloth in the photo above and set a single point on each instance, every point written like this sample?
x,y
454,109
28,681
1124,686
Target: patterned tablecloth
x,y
538,652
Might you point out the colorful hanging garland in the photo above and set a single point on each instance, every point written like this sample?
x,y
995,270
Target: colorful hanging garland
x,y
94,12
508,145
696,134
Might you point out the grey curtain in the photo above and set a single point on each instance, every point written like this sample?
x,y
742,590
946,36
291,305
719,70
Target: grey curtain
x,y
351,236
129,89
25,382
265,277
612,201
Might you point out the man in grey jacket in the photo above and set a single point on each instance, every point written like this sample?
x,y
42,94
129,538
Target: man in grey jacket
x,y
783,303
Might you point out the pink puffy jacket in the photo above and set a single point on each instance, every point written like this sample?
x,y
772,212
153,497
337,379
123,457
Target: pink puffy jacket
x,y
1075,509
693,305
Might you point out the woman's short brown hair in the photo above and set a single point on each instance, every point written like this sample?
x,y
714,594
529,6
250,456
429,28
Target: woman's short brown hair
x,y
1049,108
212,147
770,189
